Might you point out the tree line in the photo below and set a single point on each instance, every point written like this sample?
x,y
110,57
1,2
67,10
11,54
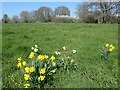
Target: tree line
x,y
88,12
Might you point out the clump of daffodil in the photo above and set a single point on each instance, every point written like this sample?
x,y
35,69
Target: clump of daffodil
x,y
31,55
110,47
106,51
42,68
26,85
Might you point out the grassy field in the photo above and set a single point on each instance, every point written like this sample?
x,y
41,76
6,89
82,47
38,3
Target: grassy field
x,y
93,72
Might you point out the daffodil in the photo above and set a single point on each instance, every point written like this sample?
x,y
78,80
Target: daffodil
x,y
26,76
57,53
36,46
73,51
19,65
107,45
19,59
53,71
112,46
46,56
31,69
41,57
53,64
64,48
35,50
27,69
42,71
41,78
72,61
24,63
31,55
32,48
110,49
52,58
27,85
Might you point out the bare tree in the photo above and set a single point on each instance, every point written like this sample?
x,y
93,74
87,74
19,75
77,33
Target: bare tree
x,y
15,19
25,16
5,18
108,10
62,10
83,11
34,16
45,14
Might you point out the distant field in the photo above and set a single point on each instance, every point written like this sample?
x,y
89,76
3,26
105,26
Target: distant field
x,y
17,39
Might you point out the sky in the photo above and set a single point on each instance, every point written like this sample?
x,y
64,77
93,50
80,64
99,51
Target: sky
x,y
14,8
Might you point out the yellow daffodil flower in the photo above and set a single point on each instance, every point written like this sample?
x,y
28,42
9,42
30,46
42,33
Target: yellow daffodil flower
x,y
19,59
26,76
52,58
112,46
46,56
41,57
107,45
19,65
41,78
31,55
42,71
27,69
31,69
27,85
110,49
24,63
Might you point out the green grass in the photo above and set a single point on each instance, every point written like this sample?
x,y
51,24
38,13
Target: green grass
x,y
17,39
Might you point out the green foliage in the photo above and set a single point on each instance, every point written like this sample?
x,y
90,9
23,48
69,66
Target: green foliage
x,y
85,38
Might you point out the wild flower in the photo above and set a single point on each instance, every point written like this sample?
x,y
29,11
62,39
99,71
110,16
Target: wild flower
x,y
19,59
41,57
106,51
31,55
64,48
73,51
24,63
19,65
26,85
26,76
41,69
53,58
41,78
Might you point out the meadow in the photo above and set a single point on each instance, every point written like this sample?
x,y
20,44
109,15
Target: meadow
x,y
87,39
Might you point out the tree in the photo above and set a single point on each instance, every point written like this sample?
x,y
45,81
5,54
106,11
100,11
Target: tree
x,y
25,16
5,18
83,11
34,16
45,14
108,10
15,19
62,10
